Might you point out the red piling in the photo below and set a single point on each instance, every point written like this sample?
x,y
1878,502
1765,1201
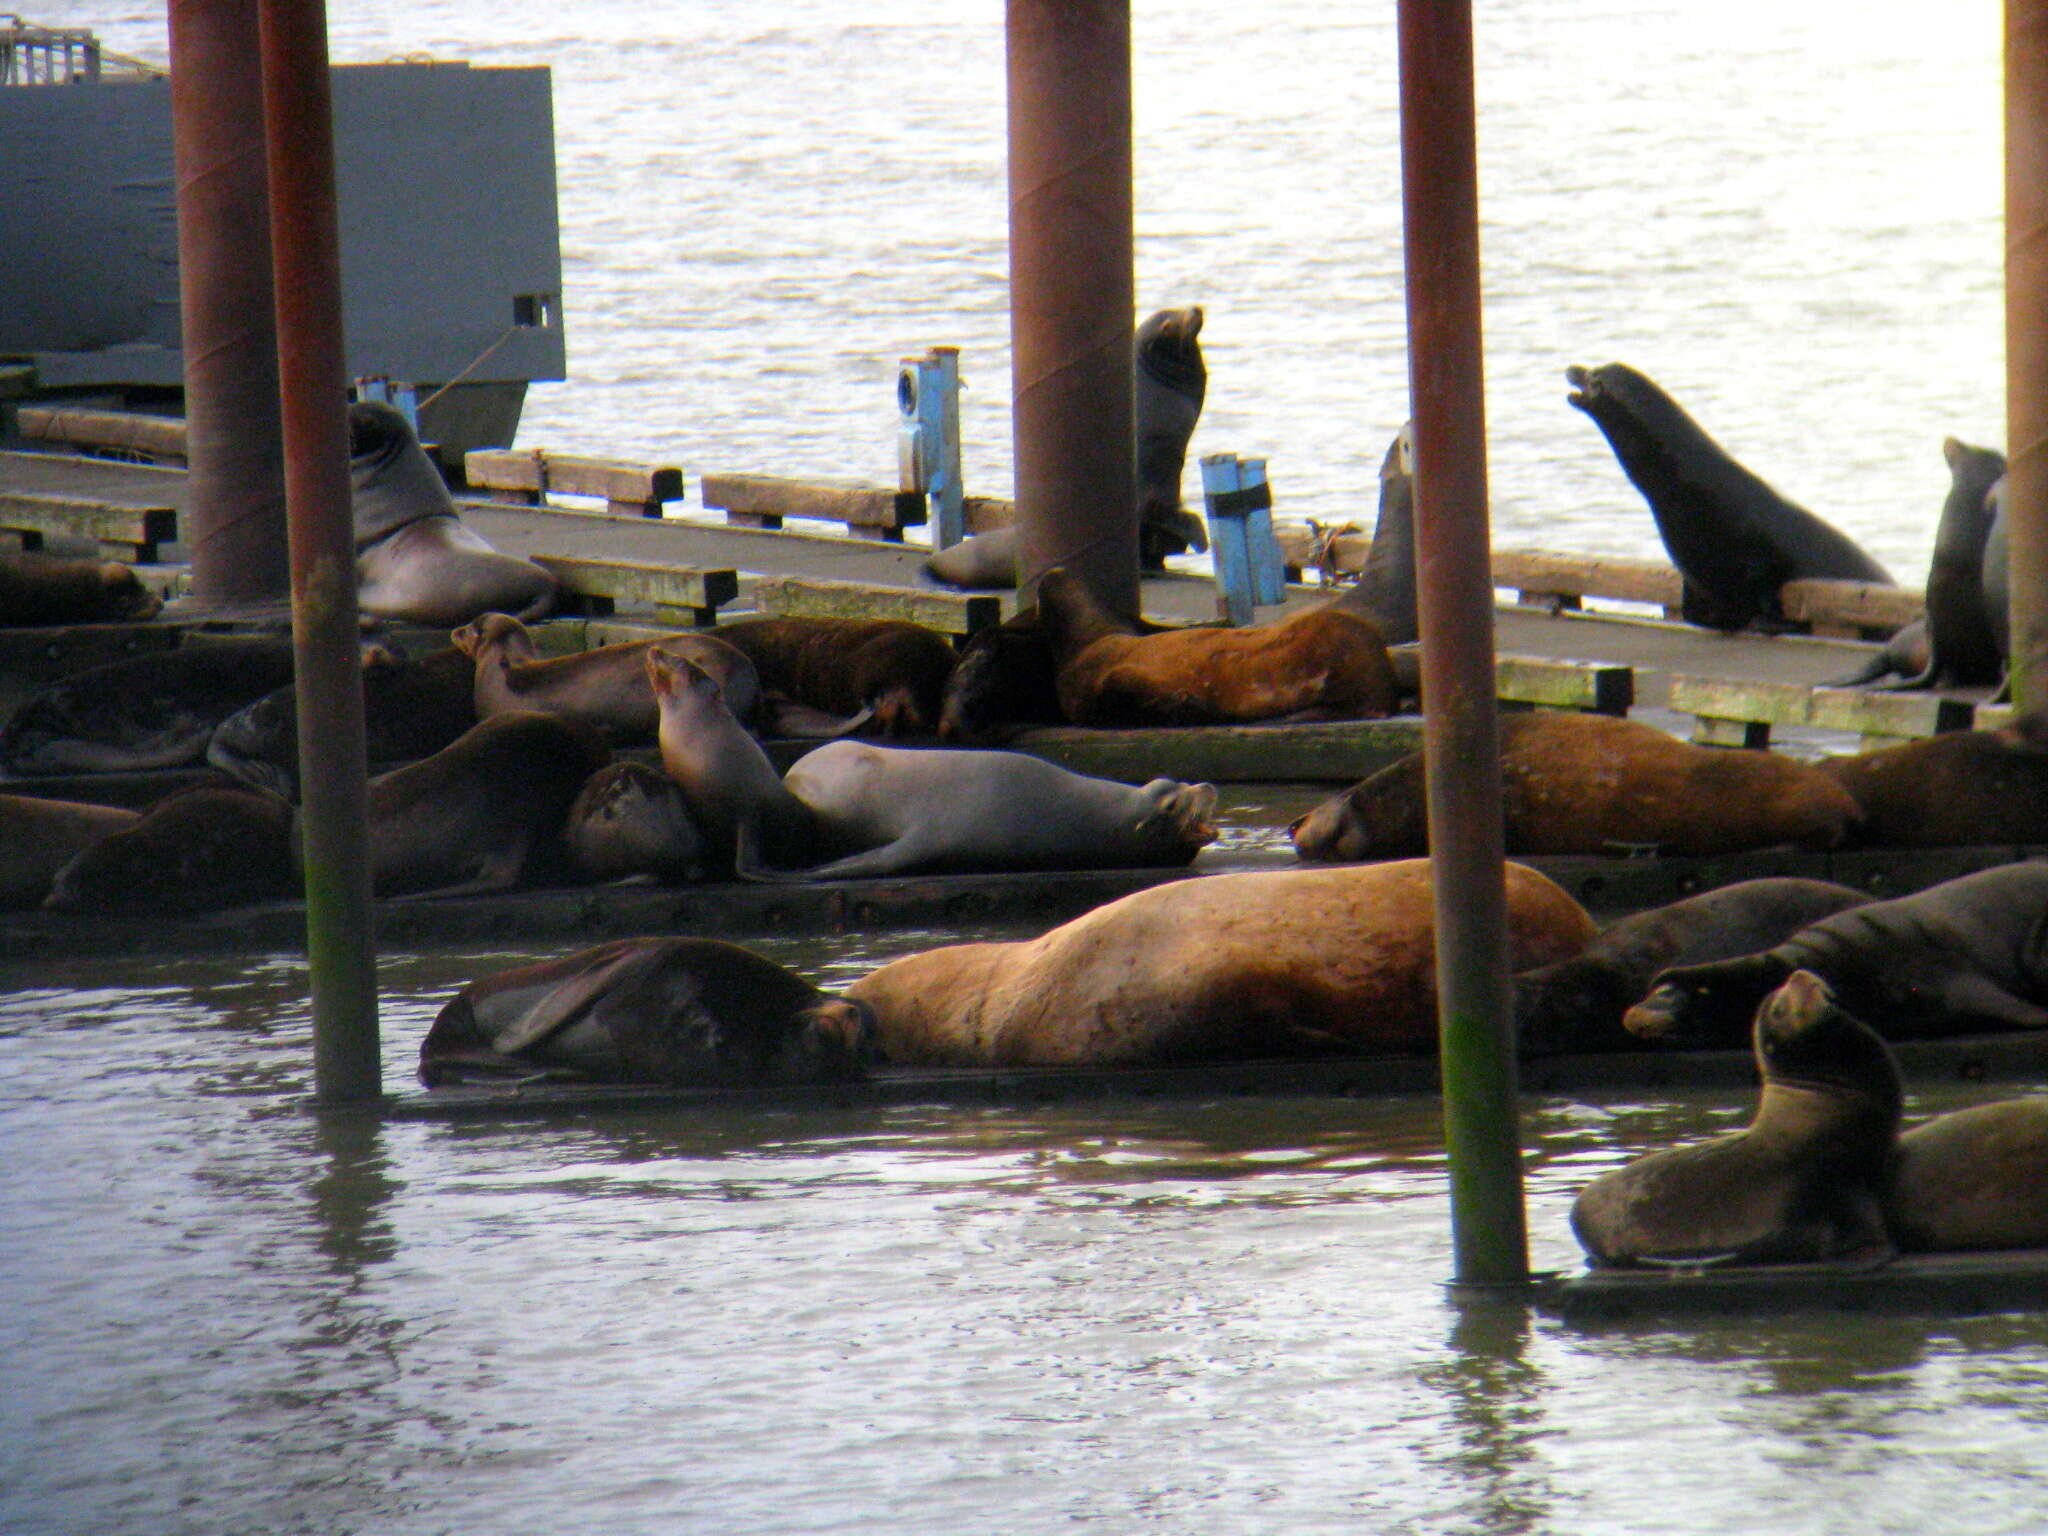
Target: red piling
x,y
2026,342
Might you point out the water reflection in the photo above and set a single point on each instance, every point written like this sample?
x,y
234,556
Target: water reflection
x,y
1496,1400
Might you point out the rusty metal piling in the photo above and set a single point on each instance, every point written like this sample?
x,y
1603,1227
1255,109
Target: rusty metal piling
x,y
2026,342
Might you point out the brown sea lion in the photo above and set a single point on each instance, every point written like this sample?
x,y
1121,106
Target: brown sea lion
x,y
1328,662
889,667
1973,1179
1171,380
727,781
607,687
39,837
197,851
1967,956
1957,788
156,711
684,1012
415,561
630,819
1584,783
484,813
930,811
411,709
49,589
1283,963
1577,1004
1803,1183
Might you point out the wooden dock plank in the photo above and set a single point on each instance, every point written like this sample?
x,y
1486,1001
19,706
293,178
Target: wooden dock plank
x,y
1853,609
692,596
951,613
1335,752
161,439
1560,581
529,476
121,532
763,501
1728,709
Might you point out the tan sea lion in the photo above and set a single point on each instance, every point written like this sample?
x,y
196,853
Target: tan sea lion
x,y
1584,783
39,837
891,669
1956,788
1284,963
196,851
1802,1183
684,1012
629,819
1328,662
726,780
50,589
1973,1179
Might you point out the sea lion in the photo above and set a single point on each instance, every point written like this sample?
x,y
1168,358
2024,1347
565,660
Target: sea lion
x,y
607,686
1007,677
1998,572
727,781
1802,1184
38,837
1285,963
415,561
485,813
1577,1004
1905,654
1585,783
1735,540
981,562
1328,662
1171,381
893,669
48,589
1960,787
1386,587
155,711
1973,1179
1963,648
411,709
196,851
630,819
684,1012
932,811
1967,956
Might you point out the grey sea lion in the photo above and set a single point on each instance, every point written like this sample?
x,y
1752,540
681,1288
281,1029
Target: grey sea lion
x,y
1286,963
155,711
890,670
1963,647
1386,587
931,811
38,837
1967,956
40,589
197,851
727,781
684,1012
1172,381
1802,1184
1734,539
1586,783
981,562
1973,1179
630,819
1577,1004
1954,789
485,813
415,561
411,709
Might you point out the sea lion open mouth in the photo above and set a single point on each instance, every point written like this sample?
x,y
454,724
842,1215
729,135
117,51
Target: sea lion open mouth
x,y
1584,386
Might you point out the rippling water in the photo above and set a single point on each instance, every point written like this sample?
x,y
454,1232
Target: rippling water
x,y
219,1314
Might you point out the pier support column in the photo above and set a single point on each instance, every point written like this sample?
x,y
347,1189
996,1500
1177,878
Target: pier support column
x,y
334,817
1461,738
234,521
1072,294
2026,342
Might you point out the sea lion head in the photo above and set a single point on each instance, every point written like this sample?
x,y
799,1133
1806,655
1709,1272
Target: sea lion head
x,y
629,819
1804,1039
377,432
836,1040
675,677
494,629
1178,818
1168,350
123,597
1380,817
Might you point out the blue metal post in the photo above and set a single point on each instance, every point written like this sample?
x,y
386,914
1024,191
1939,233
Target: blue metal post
x,y
1229,548
928,440
1269,571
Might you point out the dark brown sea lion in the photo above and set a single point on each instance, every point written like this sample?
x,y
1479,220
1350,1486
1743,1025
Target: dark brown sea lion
x,y
1286,963
1328,662
1963,647
411,709
1802,1184
484,813
1171,382
1957,788
48,589
930,811
1386,587
1967,956
684,1012
629,819
1584,783
414,559
1007,678
727,781
1734,539
198,851
1973,1179
893,668
156,711
39,837
1577,1004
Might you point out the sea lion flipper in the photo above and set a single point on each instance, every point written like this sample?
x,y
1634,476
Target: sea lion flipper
x,y
1973,995
569,1001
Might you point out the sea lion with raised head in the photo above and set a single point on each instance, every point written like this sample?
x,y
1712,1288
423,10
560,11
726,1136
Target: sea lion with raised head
x,y
1968,956
682,1012
38,589
890,669
199,850
1586,783
38,837
1287,963
1802,1184
630,819
1577,1004
415,561
1172,381
1386,587
1734,539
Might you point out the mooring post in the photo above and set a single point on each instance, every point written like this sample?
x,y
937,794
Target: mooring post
x,y
928,440
2026,342
1461,739
334,810
234,519
1072,294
